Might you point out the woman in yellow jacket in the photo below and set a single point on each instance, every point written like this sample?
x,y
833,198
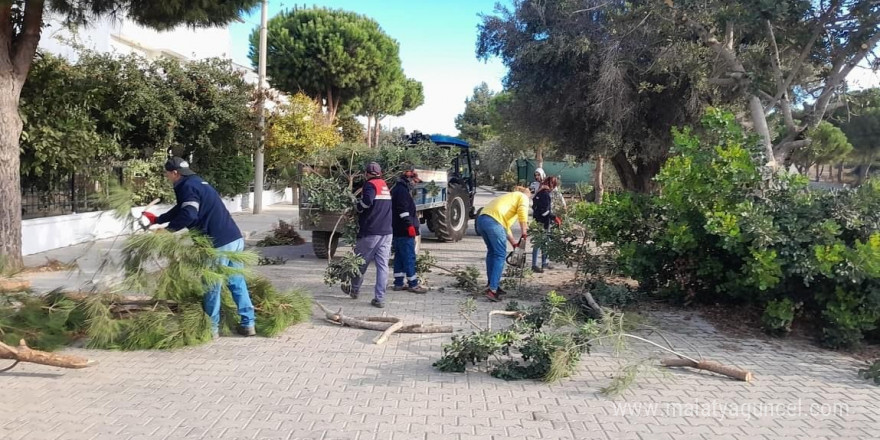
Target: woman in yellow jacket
x,y
494,225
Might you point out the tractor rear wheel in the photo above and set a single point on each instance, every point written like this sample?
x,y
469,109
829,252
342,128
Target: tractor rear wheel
x,y
449,223
322,245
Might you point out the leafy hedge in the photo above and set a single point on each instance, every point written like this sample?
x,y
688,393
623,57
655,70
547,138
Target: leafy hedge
x,y
111,109
725,228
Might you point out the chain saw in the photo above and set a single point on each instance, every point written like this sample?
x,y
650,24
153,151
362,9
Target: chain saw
x,y
517,257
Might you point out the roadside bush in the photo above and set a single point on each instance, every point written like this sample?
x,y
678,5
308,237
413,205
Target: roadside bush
x,y
146,180
613,295
724,228
110,108
778,316
506,182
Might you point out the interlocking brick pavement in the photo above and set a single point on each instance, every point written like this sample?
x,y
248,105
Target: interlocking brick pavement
x,y
322,381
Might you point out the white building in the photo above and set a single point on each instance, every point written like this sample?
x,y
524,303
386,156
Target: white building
x,y
124,37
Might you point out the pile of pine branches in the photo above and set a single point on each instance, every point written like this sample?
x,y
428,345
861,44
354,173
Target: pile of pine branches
x,y
159,304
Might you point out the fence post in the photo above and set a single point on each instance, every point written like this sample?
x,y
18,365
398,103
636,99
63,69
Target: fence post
x,y
73,192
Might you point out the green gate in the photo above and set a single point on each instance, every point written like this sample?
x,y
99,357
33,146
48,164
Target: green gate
x,y
568,174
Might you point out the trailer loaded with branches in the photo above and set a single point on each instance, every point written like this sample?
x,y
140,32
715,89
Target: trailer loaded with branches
x,y
444,199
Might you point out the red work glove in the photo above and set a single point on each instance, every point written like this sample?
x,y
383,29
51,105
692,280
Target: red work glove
x,y
411,231
524,236
557,220
150,216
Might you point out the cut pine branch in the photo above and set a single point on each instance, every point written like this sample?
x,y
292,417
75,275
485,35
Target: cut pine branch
x,y
386,325
23,353
715,367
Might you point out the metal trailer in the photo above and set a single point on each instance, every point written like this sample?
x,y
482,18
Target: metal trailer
x,y
444,200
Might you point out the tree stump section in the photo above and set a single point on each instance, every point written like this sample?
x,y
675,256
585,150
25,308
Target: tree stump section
x,y
23,353
715,367
14,285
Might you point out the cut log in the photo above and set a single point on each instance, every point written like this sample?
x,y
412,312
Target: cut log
x,y
419,328
512,314
715,367
14,285
386,324
388,332
23,353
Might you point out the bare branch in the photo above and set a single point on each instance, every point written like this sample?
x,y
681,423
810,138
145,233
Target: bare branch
x,y
843,66
593,8
818,30
637,26
786,114
774,58
728,36
724,82
784,148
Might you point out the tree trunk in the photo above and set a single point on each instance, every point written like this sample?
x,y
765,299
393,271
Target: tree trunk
x,y
759,123
332,105
840,173
378,129
864,168
295,185
819,172
638,178
10,179
599,185
830,173
369,132
539,154
16,57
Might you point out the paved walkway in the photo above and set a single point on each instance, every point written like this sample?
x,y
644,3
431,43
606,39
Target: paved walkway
x,y
321,381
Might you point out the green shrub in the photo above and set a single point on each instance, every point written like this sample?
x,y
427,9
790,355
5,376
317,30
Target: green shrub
x,y
872,372
506,181
778,316
725,228
528,349
147,181
613,295
847,317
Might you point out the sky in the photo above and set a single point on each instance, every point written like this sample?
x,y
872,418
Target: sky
x,y
437,41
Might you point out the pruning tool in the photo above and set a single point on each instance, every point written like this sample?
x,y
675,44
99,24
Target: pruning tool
x,y
140,218
517,257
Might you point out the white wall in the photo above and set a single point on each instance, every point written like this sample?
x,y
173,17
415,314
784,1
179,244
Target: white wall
x,y
44,234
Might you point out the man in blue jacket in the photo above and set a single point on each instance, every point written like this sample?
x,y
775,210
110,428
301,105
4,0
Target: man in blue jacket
x,y
405,223
374,233
199,207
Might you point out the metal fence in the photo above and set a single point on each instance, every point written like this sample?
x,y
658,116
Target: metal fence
x,y
76,193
